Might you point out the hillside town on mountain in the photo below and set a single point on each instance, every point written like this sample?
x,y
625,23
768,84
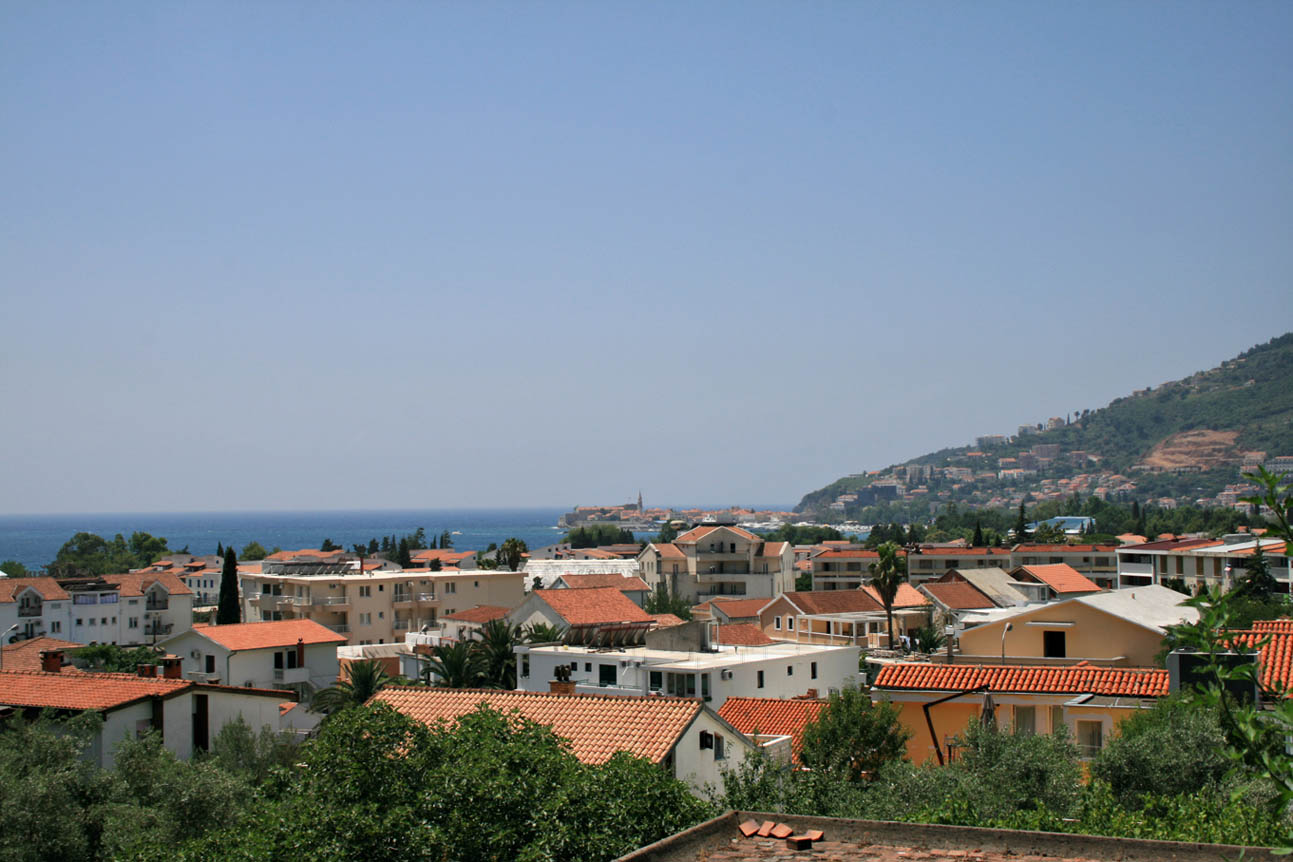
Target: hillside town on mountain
x,y
709,651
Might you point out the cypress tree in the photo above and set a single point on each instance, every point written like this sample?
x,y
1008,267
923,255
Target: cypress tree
x,y
404,558
978,535
1021,525
229,611
220,549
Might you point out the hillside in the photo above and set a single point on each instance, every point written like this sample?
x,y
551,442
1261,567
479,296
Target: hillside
x,y
1186,440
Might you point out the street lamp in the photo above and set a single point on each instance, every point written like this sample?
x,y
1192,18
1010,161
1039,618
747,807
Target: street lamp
x,y
1008,627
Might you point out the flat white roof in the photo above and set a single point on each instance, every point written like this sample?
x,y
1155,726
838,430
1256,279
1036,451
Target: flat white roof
x,y
726,656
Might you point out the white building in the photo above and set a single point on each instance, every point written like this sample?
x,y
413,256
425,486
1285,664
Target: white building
x,y
296,654
131,609
682,661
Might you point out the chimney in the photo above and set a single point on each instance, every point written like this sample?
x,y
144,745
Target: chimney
x,y
146,669
300,652
556,686
51,660
171,667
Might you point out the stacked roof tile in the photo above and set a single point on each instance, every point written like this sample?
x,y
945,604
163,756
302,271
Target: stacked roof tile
x,y
958,595
611,579
48,588
742,634
81,690
25,655
597,725
591,607
281,633
834,601
1077,679
771,716
1062,578
906,597
479,614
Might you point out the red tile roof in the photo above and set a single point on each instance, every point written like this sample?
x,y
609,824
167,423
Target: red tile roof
x,y
81,690
1077,679
25,655
736,609
1275,655
1283,625
444,555
479,614
666,621
267,635
742,634
619,582
906,597
668,550
596,606
596,725
772,549
1062,578
1034,548
834,601
964,552
136,583
848,554
1173,545
958,595
697,533
285,556
771,716
47,587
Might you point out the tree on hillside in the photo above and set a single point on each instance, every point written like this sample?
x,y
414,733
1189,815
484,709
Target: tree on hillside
x,y
229,610
1021,526
977,541
887,574
852,737
253,551
13,569
511,554
402,554
328,545
1257,582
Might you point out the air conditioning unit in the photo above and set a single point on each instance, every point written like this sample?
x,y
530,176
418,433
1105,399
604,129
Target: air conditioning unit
x,y
195,654
725,673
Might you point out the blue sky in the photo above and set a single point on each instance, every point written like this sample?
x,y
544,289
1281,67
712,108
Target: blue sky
x,y
327,255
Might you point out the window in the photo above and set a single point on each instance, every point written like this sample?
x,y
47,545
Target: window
x,y
588,667
1180,565
381,588
760,683
210,664
1053,645
525,666
475,585
56,626
1026,720
278,661
812,670
1090,737
680,684
719,752
790,670
574,665
133,623
451,587
704,686
790,623
1057,718
776,623
656,680
606,674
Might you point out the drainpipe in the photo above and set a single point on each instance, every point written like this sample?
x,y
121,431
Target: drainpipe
x,y
929,722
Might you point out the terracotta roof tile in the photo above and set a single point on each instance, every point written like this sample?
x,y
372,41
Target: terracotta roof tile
x,y
834,601
772,549
906,597
1078,679
771,716
596,725
669,551
697,533
81,690
1283,625
25,655
1062,578
596,606
958,595
964,552
619,582
666,621
266,635
1034,548
742,634
479,614
736,609
1275,655
136,583
47,587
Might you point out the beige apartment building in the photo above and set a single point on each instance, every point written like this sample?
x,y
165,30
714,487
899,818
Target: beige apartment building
x,y
373,607
706,562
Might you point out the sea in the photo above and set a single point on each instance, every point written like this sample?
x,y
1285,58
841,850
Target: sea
x,y
34,540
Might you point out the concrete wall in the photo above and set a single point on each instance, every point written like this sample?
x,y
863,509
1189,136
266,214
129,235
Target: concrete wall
x,y
1093,634
699,767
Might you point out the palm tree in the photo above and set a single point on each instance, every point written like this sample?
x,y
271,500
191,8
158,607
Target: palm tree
x,y
458,665
887,574
365,679
542,633
497,645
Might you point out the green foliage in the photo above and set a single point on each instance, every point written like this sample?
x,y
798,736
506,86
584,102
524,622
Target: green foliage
x,y
229,609
929,639
662,601
457,665
511,554
253,551
807,535
541,633
853,737
363,680
887,574
668,532
239,750
1178,747
596,535
804,582
496,646
113,658
13,569
88,554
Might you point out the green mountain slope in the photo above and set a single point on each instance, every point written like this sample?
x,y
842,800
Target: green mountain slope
x,y
1185,440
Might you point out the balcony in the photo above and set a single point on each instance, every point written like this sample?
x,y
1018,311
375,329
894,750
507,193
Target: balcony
x,y
329,601
339,628
158,629
29,610
1126,568
403,599
426,597
291,675
157,604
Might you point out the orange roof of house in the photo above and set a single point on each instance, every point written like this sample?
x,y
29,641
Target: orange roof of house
x,y
834,601
619,582
81,690
1077,679
597,725
595,606
283,556
47,587
771,716
773,549
25,655
958,595
1283,625
738,608
1275,655
479,614
964,552
135,583
1033,547
267,635
1175,544
848,554
697,533
668,550
1062,578
444,555
665,621
906,597
741,634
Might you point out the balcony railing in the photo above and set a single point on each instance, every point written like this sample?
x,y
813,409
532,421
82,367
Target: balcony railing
x,y
402,598
156,605
426,597
324,601
339,628
29,610
158,629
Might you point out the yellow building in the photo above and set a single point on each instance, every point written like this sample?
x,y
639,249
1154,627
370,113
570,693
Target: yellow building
x,y
1089,702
